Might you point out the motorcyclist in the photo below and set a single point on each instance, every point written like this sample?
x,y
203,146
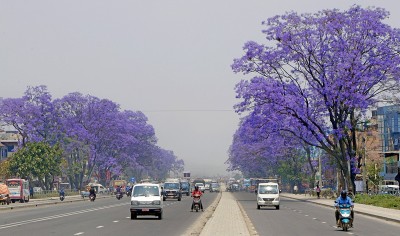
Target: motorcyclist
x,y
92,191
62,192
344,199
197,192
118,190
128,190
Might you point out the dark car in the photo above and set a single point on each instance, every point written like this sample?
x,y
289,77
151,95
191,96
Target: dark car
x,y
172,190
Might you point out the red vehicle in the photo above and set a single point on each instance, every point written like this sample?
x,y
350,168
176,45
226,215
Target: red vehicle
x,y
19,190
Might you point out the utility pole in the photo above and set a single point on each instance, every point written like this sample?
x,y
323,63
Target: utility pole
x,y
320,171
364,166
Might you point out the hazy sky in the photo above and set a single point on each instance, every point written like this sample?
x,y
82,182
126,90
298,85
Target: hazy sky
x,y
168,58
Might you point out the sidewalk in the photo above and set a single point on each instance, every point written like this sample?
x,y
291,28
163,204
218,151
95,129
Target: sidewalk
x,y
47,201
374,211
227,219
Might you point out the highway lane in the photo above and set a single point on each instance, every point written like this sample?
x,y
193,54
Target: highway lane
x,y
103,217
303,218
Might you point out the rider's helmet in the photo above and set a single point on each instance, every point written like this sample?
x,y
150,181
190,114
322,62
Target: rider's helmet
x,y
343,194
196,188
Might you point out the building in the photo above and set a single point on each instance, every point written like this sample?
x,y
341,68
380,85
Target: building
x,y
388,125
8,143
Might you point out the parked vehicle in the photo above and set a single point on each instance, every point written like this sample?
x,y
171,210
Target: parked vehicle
x,y
19,190
267,195
146,200
4,194
37,189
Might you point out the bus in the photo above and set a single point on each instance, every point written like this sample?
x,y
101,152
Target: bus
x,y
19,190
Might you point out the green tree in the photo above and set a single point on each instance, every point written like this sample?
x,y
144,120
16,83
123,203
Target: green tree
x,y
4,170
37,160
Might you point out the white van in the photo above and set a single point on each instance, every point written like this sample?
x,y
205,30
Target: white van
x,y
100,189
146,200
268,195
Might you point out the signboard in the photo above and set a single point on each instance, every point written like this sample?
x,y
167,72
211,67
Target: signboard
x,y
186,174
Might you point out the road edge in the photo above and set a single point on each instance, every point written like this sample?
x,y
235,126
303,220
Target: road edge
x,y
250,227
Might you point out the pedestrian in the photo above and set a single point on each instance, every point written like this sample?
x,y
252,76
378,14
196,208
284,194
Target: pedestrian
x,y
295,189
31,191
318,190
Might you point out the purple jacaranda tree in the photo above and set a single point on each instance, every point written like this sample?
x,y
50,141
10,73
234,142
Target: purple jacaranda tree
x,y
261,151
115,142
320,73
97,138
32,115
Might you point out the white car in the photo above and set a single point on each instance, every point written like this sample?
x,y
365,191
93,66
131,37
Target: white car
x,y
37,189
201,187
146,199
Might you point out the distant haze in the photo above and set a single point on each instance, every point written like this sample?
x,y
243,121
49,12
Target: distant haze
x,y
169,59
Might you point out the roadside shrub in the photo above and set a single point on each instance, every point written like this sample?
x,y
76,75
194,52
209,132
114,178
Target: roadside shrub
x,y
381,200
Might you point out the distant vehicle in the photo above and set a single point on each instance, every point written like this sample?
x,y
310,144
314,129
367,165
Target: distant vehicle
x,y
119,182
146,200
199,181
214,187
19,190
207,186
185,188
201,186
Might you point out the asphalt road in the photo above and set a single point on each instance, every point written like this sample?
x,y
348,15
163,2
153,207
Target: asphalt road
x,y
106,216
300,218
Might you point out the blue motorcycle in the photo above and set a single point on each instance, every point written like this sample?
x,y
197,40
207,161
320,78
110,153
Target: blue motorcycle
x,y
345,216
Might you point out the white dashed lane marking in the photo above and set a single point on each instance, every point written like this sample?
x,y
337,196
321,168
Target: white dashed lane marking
x,y
80,233
100,226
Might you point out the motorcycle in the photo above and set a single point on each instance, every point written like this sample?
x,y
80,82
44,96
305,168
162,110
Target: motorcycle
x,y
92,197
118,196
345,216
196,202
